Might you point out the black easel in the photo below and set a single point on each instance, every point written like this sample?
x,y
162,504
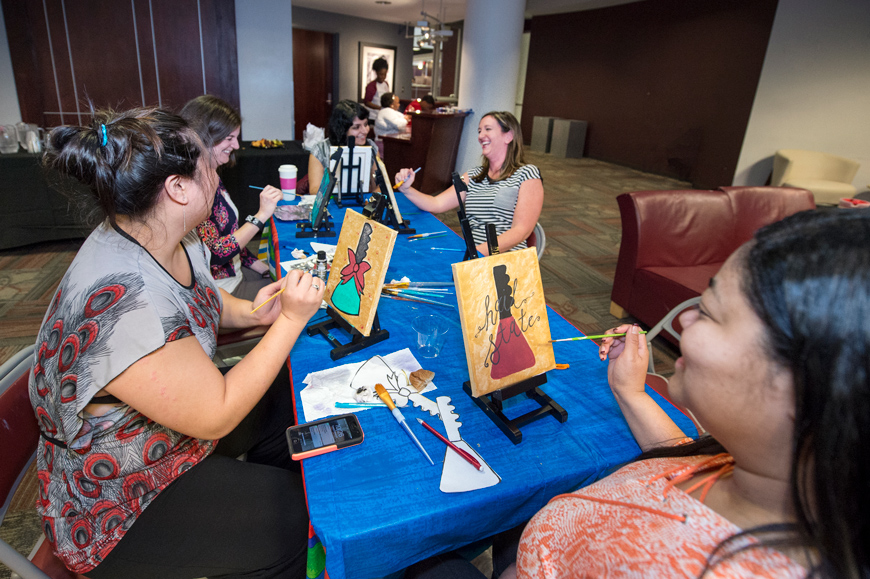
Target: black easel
x,y
380,206
491,404
470,248
358,341
319,225
347,172
308,230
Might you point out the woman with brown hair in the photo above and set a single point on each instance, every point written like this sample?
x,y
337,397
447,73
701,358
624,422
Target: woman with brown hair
x,y
503,190
233,267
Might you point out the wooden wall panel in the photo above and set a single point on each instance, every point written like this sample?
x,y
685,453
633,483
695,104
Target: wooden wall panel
x,y
119,54
103,48
179,59
148,93
221,56
666,86
59,76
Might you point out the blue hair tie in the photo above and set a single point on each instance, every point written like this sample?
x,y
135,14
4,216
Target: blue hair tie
x,y
105,136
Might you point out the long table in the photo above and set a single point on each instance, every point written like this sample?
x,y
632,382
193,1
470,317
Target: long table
x,y
377,507
33,206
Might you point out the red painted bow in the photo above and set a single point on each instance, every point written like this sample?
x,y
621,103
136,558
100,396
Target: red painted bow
x,y
355,270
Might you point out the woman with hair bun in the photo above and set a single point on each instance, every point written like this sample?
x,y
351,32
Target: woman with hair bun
x,y
232,265
139,429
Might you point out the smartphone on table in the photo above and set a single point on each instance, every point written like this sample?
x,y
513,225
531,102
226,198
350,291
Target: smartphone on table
x,y
322,436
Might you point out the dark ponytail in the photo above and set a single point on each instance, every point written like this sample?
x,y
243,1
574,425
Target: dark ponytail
x,y
124,159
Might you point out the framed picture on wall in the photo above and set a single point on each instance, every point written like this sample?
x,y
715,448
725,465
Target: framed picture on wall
x,y
368,54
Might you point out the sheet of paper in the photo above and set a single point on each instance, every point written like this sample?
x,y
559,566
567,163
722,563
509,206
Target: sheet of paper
x,y
329,249
326,387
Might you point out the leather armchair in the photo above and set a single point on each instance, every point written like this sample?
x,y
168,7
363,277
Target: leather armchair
x,y
673,242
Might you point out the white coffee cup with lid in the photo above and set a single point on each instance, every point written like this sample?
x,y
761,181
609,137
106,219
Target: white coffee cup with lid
x,y
287,176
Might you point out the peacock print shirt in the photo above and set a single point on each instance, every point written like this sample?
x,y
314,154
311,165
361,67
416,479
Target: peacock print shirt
x,y
114,305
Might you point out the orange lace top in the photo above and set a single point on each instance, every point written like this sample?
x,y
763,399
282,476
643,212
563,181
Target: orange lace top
x,y
636,523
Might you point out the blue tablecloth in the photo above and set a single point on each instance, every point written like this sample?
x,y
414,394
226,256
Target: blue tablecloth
x,y
377,506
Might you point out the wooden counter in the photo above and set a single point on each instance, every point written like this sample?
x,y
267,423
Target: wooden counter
x,y
432,144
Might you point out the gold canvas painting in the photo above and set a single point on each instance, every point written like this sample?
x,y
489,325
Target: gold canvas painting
x,y
504,319
359,268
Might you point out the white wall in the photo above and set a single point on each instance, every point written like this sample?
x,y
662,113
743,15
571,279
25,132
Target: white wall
x,y
10,112
491,47
264,38
814,91
351,31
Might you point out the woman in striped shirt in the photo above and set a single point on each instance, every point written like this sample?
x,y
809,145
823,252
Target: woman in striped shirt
x,y
503,190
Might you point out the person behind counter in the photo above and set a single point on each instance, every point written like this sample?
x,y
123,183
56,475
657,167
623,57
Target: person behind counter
x,y
425,104
390,120
774,367
232,265
348,119
503,190
137,468
376,88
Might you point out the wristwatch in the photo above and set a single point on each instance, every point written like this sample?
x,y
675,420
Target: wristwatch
x,y
255,222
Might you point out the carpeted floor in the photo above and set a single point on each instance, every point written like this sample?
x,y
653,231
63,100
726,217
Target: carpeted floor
x,y
582,226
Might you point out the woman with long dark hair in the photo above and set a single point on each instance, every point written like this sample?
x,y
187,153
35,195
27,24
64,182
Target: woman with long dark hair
x,y
137,467
348,119
503,190
775,367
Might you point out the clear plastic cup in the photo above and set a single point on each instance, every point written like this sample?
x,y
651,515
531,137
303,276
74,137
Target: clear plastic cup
x,y
431,331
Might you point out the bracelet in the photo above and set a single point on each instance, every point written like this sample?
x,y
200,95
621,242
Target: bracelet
x,y
255,222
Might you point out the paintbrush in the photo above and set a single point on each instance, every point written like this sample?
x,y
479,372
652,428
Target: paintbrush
x,y
400,183
419,284
593,337
416,292
276,294
428,235
418,300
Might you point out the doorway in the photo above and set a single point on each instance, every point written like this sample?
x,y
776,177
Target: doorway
x,y
313,78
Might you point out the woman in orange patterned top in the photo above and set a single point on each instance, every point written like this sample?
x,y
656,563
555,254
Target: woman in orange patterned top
x,y
775,365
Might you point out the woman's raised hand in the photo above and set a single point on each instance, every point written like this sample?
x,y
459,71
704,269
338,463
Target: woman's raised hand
x,y
269,198
629,359
302,295
406,175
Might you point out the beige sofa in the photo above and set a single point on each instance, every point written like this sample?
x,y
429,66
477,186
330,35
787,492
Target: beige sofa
x,y
829,177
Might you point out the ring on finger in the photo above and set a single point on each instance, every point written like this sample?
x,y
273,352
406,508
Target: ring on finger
x,y
315,286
